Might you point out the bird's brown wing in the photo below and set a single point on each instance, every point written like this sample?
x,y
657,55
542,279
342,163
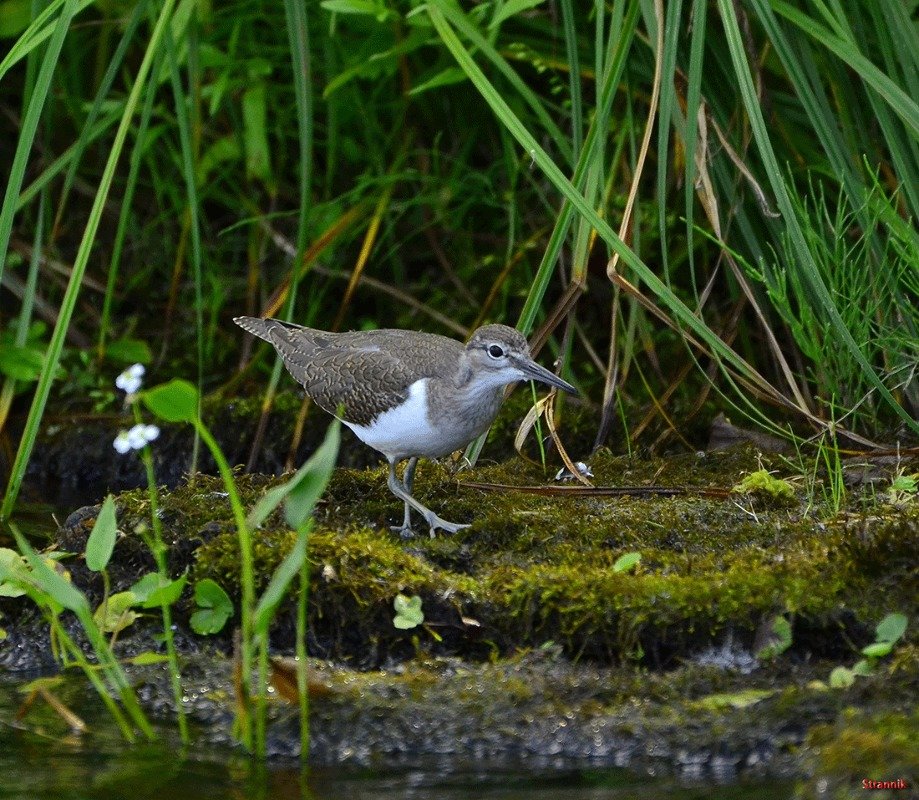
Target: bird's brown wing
x,y
367,372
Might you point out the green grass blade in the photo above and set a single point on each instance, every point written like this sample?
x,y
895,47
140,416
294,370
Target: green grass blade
x,y
30,431
806,265
507,117
899,101
30,121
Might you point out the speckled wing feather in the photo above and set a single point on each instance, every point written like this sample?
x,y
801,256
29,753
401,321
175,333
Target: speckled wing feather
x,y
366,371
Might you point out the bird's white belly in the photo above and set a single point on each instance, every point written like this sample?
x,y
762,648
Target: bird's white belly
x,y
406,430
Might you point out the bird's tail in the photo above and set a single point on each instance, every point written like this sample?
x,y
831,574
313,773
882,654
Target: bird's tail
x,y
263,327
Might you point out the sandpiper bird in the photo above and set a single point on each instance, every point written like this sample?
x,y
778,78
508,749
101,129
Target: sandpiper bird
x,y
405,393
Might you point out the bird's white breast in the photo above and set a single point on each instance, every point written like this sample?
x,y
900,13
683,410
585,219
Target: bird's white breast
x,y
405,430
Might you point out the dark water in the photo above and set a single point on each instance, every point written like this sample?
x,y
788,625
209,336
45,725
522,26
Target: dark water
x,y
40,760
53,770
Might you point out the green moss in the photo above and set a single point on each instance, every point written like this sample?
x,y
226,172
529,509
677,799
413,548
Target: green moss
x,y
764,483
859,746
533,568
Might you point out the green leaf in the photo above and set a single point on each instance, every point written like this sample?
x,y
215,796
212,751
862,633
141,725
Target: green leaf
x,y
626,562
863,667
14,571
281,579
11,589
255,132
51,583
129,351
308,489
304,488
356,7
511,8
841,678
22,363
117,613
101,541
220,152
891,628
146,658
740,699
15,16
176,401
147,584
155,590
408,612
878,649
778,639
215,608
446,77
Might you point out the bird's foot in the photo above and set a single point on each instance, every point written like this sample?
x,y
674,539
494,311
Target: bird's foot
x,y
404,531
435,523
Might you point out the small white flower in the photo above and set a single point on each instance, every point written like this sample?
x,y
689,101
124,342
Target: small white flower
x,y
151,432
136,438
122,444
131,379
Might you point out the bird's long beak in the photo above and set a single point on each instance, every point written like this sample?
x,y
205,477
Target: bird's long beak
x,y
535,372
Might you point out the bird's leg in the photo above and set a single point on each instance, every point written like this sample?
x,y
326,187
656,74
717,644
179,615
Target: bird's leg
x,y
402,490
408,479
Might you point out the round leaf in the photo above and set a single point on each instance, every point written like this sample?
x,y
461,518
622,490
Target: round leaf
x,y
891,628
176,401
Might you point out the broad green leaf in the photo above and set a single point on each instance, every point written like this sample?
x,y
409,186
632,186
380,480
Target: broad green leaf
x,y
626,562
22,363
167,593
153,590
408,612
176,401
117,613
215,607
891,628
129,351
11,589
101,541
145,585
14,571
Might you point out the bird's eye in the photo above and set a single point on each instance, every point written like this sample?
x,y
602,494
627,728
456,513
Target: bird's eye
x,y
495,350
